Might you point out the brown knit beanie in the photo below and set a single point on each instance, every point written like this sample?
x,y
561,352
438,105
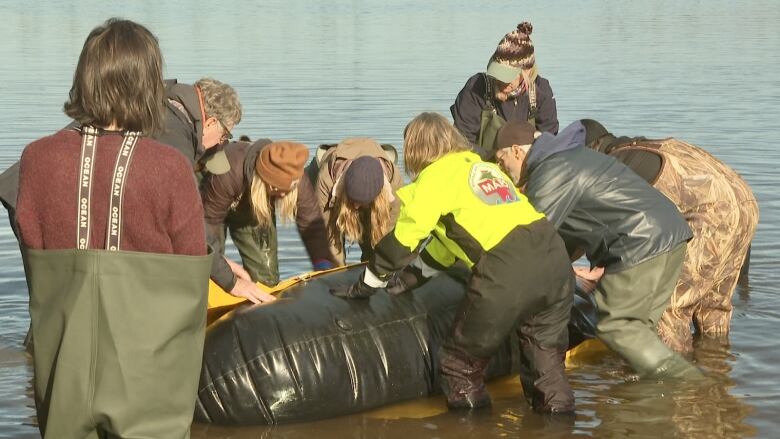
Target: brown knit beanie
x,y
364,179
280,164
516,49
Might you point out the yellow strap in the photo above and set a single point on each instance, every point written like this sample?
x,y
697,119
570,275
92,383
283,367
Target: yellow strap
x,y
219,297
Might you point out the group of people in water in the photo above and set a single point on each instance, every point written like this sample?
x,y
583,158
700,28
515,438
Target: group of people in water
x,y
119,213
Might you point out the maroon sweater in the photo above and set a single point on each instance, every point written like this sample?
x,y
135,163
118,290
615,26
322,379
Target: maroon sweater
x,y
162,211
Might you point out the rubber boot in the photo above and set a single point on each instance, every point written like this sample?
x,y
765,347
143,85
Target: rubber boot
x,y
542,374
675,367
463,379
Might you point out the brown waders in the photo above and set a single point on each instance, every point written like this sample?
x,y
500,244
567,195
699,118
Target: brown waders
x,y
629,303
118,335
525,280
722,212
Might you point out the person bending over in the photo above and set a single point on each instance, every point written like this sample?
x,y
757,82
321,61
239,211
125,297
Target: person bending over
x,y
264,182
720,209
623,225
520,273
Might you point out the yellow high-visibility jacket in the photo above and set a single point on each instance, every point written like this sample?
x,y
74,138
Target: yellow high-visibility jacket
x,y
467,206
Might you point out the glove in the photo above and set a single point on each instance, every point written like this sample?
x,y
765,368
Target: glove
x,y
407,279
322,265
358,290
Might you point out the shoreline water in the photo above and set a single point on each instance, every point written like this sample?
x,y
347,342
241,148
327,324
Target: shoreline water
x,y
703,72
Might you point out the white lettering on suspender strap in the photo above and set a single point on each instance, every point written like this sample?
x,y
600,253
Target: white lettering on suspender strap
x,y
88,144
88,139
114,232
532,100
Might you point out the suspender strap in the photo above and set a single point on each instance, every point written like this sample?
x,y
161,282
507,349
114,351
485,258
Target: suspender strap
x,y
489,95
88,139
114,232
532,108
88,145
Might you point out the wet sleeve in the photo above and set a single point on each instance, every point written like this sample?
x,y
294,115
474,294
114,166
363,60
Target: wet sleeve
x,y
311,225
547,111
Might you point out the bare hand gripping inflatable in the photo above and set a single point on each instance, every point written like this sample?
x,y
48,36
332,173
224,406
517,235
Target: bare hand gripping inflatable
x,y
310,355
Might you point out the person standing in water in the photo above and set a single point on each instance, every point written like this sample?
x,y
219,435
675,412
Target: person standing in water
x,y
266,181
114,251
355,185
722,212
521,278
623,225
510,89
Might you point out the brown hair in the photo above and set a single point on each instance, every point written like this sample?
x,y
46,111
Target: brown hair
x,y
220,101
428,137
347,221
118,79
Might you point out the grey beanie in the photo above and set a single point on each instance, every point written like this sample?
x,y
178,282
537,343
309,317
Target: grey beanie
x,y
364,179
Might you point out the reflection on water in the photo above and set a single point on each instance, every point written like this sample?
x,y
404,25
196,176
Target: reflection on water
x,y
318,72
609,404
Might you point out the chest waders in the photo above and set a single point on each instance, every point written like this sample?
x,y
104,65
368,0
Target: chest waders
x,y
257,246
721,209
118,335
491,121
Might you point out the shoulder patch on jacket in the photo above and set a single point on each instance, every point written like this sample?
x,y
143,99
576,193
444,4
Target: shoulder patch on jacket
x,y
490,185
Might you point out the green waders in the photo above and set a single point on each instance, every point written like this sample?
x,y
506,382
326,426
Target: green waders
x,y
491,122
259,252
118,336
630,303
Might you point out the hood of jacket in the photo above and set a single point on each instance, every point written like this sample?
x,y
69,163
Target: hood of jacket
x,y
546,145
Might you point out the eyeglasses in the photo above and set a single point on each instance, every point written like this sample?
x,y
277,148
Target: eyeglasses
x,y
226,134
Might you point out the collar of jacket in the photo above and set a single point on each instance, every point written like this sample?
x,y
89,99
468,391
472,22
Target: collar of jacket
x,y
546,145
251,158
188,96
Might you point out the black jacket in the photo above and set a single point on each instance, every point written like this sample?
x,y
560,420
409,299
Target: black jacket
x,y
183,121
598,204
467,109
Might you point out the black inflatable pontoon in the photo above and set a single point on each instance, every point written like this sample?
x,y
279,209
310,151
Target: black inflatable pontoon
x,y
311,355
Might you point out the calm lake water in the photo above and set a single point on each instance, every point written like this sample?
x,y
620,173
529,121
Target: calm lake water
x,y
316,72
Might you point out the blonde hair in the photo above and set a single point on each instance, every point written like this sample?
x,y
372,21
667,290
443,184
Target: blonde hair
x,y
287,207
220,101
347,222
428,137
